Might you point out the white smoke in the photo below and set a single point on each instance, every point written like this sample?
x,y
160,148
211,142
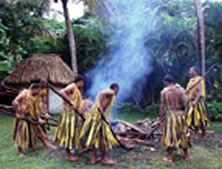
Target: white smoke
x,y
127,62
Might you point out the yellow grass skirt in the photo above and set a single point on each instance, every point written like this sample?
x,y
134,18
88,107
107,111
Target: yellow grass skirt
x,y
95,129
68,130
175,131
197,116
25,134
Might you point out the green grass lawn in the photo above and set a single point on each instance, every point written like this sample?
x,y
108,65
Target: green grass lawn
x,y
217,127
205,157
131,118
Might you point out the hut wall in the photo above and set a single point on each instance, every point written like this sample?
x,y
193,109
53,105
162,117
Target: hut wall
x,y
55,102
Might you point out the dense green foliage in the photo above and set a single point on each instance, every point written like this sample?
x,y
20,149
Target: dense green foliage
x,y
132,109
90,42
215,111
151,111
41,36
20,20
173,45
171,42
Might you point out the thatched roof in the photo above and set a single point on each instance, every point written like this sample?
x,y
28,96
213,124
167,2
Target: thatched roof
x,y
50,67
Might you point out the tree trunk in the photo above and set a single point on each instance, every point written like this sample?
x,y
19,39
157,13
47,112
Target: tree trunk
x,y
72,45
200,36
14,53
15,60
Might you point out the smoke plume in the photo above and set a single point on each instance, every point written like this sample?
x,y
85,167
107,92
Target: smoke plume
x,y
127,61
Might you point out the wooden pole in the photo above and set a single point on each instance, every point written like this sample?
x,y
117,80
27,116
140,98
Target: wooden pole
x,y
104,119
65,99
11,109
30,120
195,84
152,132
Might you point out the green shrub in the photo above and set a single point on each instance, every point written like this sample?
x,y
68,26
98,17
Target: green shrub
x,y
129,108
152,110
215,111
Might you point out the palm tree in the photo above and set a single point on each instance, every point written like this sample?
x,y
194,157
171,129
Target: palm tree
x,y
70,34
201,36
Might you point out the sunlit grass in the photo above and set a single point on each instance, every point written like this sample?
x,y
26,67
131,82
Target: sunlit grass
x,y
140,158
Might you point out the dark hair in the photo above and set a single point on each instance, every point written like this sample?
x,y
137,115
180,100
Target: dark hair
x,y
79,78
43,80
114,85
35,81
196,69
168,78
34,86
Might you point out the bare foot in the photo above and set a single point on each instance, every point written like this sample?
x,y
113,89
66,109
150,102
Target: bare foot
x,y
167,160
72,158
94,161
204,137
85,148
188,157
21,155
47,145
195,137
130,146
106,161
49,138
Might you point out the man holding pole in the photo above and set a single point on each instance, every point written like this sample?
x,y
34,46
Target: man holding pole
x,y
41,105
41,99
69,127
175,129
27,126
196,111
96,131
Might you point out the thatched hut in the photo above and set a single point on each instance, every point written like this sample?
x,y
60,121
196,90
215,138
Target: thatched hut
x,y
50,67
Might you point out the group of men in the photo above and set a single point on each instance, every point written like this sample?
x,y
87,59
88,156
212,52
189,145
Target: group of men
x,y
81,128
78,129
184,110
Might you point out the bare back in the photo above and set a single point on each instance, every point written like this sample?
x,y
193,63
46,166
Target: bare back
x,y
174,97
68,92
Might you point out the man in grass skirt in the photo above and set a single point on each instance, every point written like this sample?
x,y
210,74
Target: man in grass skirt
x,y
42,105
68,130
196,111
96,133
27,126
175,129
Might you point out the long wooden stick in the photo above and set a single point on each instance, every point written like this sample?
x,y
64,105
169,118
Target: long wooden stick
x,y
66,100
30,120
6,107
132,133
11,109
104,119
132,127
50,118
195,84
152,132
